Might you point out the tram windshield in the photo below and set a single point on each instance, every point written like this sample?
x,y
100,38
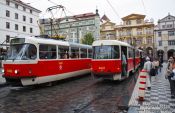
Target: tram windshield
x,y
22,52
106,52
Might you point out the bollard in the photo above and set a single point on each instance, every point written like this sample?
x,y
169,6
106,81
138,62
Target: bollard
x,y
142,84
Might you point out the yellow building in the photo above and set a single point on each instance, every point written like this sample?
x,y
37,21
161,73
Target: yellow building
x,y
107,29
137,32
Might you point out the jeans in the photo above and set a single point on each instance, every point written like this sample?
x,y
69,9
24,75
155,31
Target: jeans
x,y
172,85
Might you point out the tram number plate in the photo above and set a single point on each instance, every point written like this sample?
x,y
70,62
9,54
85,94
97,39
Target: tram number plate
x,y
9,70
101,67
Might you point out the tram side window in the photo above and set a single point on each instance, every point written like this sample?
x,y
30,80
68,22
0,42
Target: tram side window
x,y
83,53
63,52
89,53
115,52
32,52
47,51
74,52
131,53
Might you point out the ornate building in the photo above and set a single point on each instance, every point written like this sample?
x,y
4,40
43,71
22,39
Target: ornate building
x,y
137,32
107,29
165,37
73,28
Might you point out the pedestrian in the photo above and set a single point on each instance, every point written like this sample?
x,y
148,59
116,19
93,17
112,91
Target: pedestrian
x,y
124,64
147,66
156,65
160,63
170,68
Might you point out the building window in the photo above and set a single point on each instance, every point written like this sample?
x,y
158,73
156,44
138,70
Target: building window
x,y
139,31
24,18
169,26
16,15
7,2
160,43
139,41
128,22
16,26
139,21
171,42
171,33
7,38
8,25
7,13
149,31
149,40
30,11
31,30
24,9
16,6
31,20
159,33
24,28
163,26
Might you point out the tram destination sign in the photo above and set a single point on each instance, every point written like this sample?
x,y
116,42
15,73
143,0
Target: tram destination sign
x,y
17,41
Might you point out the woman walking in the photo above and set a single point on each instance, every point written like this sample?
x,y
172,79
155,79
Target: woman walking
x,y
169,75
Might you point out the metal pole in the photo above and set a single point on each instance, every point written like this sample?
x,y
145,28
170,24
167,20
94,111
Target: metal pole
x,y
51,23
77,35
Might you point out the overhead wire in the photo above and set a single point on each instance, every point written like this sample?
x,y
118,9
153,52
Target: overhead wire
x,y
144,7
113,9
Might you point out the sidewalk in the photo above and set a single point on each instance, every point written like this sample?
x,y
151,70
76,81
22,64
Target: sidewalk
x,y
157,100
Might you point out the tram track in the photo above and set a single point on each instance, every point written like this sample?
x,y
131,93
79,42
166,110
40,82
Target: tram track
x,y
74,95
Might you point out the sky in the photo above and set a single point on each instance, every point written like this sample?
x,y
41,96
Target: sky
x,y
113,9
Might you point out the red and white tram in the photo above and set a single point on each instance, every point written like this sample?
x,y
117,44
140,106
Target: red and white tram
x,y
114,59
34,60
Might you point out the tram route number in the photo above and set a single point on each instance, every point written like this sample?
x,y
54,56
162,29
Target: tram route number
x,y
101,67
9,70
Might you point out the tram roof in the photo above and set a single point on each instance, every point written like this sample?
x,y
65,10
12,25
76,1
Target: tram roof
x,y
80,45
38,40
109,42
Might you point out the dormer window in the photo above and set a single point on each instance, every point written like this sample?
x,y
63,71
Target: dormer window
x,y
139,21
128,22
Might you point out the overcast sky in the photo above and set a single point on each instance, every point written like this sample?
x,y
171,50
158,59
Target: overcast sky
x,y
156,9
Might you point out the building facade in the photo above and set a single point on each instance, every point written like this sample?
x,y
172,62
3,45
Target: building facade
x,y
165,37
17,18
107,29
137,32
73,28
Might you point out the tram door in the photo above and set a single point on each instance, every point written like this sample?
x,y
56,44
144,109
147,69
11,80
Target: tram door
x,y
124,63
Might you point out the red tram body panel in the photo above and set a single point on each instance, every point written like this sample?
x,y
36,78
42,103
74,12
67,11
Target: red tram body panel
x,y
106,66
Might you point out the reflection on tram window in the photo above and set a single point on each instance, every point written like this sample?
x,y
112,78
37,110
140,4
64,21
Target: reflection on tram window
x,y
106,52
89,53
63,52
47,51
22,52
83,53
75,52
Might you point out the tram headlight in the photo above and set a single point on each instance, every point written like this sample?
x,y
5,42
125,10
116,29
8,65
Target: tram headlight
x,y
2,71
16,71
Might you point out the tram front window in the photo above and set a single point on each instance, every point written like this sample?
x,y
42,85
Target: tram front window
x,y
22,52
106,52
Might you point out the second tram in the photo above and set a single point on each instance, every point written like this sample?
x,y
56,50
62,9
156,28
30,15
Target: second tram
x,y
114,59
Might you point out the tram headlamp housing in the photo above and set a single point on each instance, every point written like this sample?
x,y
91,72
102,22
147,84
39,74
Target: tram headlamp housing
x,y
16,71
2,71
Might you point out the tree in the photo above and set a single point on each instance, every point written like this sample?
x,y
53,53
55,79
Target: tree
x,y
88,39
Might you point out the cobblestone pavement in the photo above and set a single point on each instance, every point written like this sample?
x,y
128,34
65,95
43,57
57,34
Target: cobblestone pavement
x,y
157,100
75,95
